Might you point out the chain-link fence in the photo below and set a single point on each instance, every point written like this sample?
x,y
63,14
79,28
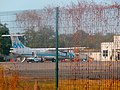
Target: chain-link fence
x,y
89,50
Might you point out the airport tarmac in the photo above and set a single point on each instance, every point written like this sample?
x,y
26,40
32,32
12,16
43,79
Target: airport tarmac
x,y
67,70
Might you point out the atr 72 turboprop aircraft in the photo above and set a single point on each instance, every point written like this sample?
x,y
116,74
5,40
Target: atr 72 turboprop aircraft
x,y
47,53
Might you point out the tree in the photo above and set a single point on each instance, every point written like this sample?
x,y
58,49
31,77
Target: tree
x,y
38,32
65,40
78,37
5,42
45,37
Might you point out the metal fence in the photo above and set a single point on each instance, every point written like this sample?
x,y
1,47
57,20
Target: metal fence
x,y
89,31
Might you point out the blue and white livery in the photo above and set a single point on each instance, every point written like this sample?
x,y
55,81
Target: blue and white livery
x,y
19,48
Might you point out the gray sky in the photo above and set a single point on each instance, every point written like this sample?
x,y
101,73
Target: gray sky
x,y
12,5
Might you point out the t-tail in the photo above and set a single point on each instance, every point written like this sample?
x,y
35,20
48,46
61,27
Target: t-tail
x,y
17,45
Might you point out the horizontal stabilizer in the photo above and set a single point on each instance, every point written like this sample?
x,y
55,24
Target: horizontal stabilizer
x,y
15,35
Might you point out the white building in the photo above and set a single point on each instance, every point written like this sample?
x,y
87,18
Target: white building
x,y
95,55
110,51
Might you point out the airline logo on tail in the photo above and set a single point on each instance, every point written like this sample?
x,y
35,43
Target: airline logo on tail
x,y
18,45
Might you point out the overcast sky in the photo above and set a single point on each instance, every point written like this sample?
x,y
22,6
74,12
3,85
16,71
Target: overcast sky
x,y
13,5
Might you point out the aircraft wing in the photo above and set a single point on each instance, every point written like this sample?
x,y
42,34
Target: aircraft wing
x,y
60,49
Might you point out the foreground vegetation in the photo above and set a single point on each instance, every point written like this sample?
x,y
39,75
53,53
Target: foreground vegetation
x,y
11,80
15,84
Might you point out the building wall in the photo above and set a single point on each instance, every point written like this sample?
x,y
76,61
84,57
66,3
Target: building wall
x,y
116,42
113,49
95,56
107,46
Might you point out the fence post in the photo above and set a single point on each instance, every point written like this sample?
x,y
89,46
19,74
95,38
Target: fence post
x,y
56,71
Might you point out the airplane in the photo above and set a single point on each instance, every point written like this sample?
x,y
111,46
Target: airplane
x,y
19,48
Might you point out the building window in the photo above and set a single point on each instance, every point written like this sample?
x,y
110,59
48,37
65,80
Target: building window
x,y
105,53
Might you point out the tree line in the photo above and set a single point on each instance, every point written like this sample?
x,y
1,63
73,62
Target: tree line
x,y
45,37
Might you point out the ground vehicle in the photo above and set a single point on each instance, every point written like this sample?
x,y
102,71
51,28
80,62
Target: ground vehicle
x,y
34,60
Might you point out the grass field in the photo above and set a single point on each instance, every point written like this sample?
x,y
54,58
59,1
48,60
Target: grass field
x,y
16,83
11,80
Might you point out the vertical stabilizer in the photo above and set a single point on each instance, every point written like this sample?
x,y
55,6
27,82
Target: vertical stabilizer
x,y
16,43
